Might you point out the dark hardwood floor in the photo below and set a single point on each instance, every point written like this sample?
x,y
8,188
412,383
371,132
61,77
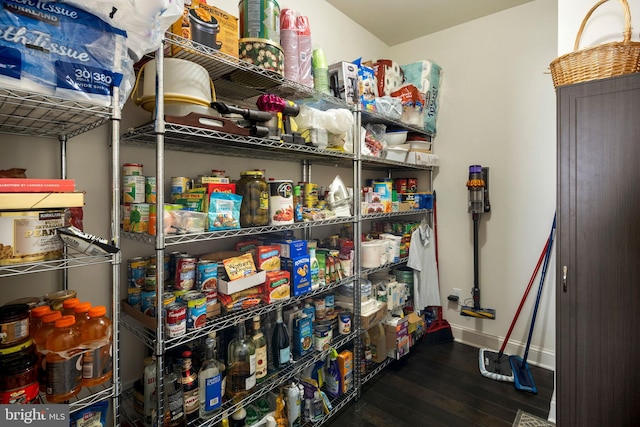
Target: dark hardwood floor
x,y
441,385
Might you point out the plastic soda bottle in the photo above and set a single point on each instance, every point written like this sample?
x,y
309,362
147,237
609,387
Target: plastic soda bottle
x,y
40,338
68,305
81,313
95,335
64,367
36,318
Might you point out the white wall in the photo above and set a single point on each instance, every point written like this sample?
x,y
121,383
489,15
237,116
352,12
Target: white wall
x,y
497,109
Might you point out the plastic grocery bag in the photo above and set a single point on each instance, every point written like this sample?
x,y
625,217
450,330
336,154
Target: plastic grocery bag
x,y
145,21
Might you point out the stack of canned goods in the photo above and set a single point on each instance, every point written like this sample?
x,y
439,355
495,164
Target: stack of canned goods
x,y
138,194
190,287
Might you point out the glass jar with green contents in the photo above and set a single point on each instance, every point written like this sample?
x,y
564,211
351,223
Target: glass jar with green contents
x,y
254,211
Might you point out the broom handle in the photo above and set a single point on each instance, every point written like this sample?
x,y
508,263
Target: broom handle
x,y
544,272
524,298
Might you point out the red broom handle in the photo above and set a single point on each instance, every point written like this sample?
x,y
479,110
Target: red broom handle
x,y
524,298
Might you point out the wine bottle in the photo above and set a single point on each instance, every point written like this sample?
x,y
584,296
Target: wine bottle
x,y
174,399
280,347
210,381
260,342
190,387
241,365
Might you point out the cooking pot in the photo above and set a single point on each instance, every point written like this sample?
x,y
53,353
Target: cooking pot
x,y
185,82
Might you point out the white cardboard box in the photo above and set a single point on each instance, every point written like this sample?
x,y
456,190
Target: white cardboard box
x,y
233,286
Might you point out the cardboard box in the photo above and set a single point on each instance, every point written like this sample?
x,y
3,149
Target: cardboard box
x,y
368,319
35,185
343,81
414,322
396,330
300,274
151,322
209,26
28,201
345,365
276,287
291,248
229,287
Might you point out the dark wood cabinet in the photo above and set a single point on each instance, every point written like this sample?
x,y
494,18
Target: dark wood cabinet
x,y
598,253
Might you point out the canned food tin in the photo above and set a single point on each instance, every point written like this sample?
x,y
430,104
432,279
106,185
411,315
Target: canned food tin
x,y
136,218
206,275
412,185
150,189
260,18
280,202
185,272
173,263
401,185
168,298
179,294
150,281
136,271
329,303
179,185
130,169
148,303
320,308
176,319
344,323
218,173
322,337
196,310
134,298
133,189
310,194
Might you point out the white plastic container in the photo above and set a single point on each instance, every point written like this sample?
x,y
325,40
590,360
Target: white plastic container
x,y
184,82
374,253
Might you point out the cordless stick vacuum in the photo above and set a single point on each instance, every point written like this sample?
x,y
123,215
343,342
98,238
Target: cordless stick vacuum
x,y
478,204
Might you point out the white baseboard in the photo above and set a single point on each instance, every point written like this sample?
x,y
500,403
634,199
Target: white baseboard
x,y
537,356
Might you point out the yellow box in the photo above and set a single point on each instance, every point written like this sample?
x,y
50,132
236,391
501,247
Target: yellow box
x,y
209,26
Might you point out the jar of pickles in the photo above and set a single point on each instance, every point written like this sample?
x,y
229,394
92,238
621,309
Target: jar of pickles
x,y
254,211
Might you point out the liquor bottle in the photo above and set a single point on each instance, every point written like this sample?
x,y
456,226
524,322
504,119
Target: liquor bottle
x,y
210,381
190,390
315,268
260,342
173,399
280,347
367,355
241,365
150,391
268,334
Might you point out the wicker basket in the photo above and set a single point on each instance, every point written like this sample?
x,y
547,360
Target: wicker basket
x,y
597,62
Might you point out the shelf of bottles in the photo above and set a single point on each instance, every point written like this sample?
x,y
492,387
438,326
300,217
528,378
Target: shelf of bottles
x,y
272,382
148,336
171,240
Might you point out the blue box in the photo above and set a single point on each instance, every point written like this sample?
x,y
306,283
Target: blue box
x,y
291,248
300,274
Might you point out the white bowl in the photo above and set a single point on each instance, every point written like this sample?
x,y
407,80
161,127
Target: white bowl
x,y
396,137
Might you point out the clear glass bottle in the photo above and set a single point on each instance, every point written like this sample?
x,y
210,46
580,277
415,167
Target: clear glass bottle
x,y
173,399
260,342
241,365
280,345
190,387
210,381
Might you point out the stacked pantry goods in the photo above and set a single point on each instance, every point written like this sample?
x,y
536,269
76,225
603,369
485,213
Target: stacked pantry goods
x,y
55,345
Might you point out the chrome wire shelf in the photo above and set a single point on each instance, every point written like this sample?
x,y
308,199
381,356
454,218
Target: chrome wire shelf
x,y
272,382
375,117
87,396
148,336
376,163
180,137
337,403
367,271
376,370
396,214
70,260
177,239
25,113
239,81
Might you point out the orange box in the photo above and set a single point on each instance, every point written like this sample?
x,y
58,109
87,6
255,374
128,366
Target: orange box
x,y
276,287
268,257
345,365
209,26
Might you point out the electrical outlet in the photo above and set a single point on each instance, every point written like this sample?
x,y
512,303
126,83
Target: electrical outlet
x,y
456,292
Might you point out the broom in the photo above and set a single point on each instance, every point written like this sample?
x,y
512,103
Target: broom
x,y
496,365
439,331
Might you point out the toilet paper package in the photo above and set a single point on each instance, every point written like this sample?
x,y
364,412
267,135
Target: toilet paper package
x,y
56,49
